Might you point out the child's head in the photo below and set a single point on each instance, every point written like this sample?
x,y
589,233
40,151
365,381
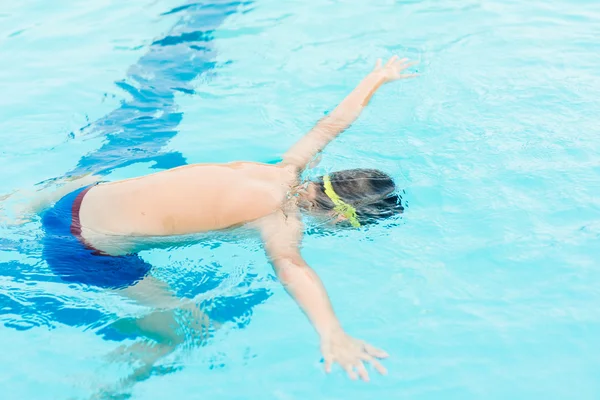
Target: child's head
x,y
360,196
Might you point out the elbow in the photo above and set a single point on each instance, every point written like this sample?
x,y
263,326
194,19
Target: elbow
x,y
332,124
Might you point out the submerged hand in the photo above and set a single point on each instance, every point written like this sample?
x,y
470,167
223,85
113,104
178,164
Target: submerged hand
x,y
392,70
350,354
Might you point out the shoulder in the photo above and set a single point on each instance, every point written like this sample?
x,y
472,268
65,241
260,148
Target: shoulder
x,y
289,172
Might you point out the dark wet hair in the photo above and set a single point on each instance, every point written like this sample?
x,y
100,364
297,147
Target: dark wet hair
x,y
370,191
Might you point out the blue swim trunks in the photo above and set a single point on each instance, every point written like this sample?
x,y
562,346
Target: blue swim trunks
x,y
73,260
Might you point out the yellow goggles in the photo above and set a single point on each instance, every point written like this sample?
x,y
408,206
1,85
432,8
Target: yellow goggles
x,y
341,206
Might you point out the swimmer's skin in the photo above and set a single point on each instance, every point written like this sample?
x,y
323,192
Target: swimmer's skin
x,y
208,197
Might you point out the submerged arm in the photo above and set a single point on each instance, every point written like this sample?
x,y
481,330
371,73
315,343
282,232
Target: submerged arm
x,y
281,235
328,128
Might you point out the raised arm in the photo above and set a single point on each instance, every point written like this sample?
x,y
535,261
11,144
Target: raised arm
x,y
281,235
328,128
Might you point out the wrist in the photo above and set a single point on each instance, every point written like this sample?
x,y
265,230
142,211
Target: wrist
x,y
330,330
372,82
378,76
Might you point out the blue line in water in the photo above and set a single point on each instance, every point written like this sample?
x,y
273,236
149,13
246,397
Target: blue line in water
x,y
139,129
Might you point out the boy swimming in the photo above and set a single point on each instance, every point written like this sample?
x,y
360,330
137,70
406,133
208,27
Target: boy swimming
x,y
93,235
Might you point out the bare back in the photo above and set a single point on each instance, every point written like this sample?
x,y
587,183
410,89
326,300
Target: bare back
x,y
191,199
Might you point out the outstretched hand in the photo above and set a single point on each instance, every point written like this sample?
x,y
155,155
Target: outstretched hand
x,y
350,353
394,68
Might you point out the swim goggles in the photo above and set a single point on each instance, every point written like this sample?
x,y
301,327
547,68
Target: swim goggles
x,y
341,206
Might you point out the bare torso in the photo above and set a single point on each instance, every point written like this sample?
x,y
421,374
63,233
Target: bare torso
x,y
120,216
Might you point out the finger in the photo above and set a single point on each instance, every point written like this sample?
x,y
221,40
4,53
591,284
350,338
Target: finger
x,y
406,76
328,363
391,61
362,371
377,365
351,372
409,64
378,63
375,352
402,61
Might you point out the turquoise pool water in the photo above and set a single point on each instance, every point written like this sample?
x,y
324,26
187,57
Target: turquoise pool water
x,y
487,288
